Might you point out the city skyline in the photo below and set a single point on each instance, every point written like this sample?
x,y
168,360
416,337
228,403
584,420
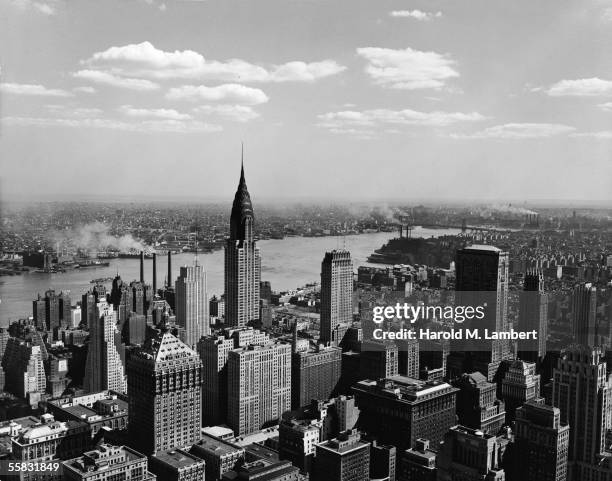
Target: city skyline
x,y
408,92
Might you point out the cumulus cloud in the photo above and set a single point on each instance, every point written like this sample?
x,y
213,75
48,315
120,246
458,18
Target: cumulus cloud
x,y
238,113
32,89
415,14
86,89
225,93
146,126
46,8
145,60
518,131
607,106
586,87
116,81
408,68
153,113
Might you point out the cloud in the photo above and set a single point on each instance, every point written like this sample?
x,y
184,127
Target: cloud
x,y
407,69
587,87
86,90
145,60
602,134
518,131
110,79
415,14
238,113
74,112
225,93
171,114
147,126
46,8
379,117
32,89
606,106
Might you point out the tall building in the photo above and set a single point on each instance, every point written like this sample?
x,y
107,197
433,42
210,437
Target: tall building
x,y
418,463
297,440
164,392
541,443
477,404
482,280
89,301
378,359
220,456
581,391
584,311
520,384
242,262
213,351
24,370
108,463
400,410
533,315
259,386
315,374
345,458
192,303
104,368
383,462
336,295
469,455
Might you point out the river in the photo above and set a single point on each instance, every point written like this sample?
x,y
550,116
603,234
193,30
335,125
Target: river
x,y
287,263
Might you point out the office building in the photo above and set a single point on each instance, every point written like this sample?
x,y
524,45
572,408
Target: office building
x,y
418,463
164,392
584,315
541,443
336,295
345,458
477,404
219,455
315,374
533,315
177,465
104,368
519,385
297,439
24,370
242,262
400,410
378,359
192,303
109,463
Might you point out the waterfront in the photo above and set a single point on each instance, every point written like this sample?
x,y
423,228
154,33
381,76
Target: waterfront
x,y
287,263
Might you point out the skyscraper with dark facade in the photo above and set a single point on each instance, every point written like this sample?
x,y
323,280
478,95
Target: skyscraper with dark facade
x,y
315,374
584,311
477,404
164,390
533,315
541,443
482,280
345,458
192,303
336,295
242,262
400,410
581,391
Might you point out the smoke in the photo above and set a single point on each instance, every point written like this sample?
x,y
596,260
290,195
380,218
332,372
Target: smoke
x,y
97,237
512,209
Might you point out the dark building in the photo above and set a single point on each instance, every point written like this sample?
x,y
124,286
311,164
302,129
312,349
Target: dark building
x,y
220,456
164,392
336,295
88,303
519,385
378,359
584,315
533,315
418,463
314,375
541,443
400,410
345,458
177,465
477,404
108,463
382,462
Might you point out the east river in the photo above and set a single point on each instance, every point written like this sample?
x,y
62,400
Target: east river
x,y
287,263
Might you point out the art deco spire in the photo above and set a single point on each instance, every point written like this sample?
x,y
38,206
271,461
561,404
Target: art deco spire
x,y
242,209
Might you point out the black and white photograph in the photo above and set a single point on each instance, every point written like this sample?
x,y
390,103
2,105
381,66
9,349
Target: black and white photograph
x,y
305,240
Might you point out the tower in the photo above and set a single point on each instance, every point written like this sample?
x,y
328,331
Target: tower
x,y
584,305
242,261
192,304
104,368
336,295
533,315
164,391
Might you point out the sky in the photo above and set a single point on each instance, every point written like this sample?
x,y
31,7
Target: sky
x,y
348,99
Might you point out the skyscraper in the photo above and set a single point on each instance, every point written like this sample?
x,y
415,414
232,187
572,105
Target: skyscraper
x,y
345,458
520,384
242,262
192,304
259,386
336,295
482,280
164,391
581,391
477,404
533,315
104,368
541,441
584,305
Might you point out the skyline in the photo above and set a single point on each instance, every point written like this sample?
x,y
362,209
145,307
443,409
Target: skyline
x,y
415,100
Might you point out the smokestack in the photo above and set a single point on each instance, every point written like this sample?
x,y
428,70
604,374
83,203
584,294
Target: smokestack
x,y
154,273
169,269
142,266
